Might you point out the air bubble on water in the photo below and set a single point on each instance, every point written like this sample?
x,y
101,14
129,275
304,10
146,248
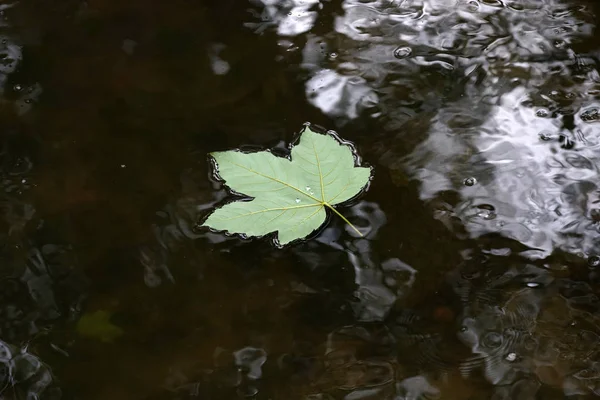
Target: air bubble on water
x,y
17,88
297,200
533,284
473,5
590,115
470,181
566,142
402,52
542,113
594,261
487,214
333,55
545,136
510,357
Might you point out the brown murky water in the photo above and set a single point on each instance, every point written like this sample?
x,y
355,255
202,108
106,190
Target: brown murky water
x,y
479,275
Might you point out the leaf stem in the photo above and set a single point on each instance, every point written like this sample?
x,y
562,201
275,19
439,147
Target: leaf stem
x,y
342,217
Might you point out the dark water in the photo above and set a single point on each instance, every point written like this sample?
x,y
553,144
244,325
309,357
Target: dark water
x,y
479,275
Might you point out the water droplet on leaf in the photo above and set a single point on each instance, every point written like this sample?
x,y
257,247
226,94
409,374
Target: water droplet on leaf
x,y
297,200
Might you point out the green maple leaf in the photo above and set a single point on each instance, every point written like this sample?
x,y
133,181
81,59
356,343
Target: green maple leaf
x,y
97,325
289,196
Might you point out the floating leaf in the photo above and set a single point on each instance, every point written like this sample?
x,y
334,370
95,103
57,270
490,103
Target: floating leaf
x,y
98,326
289,196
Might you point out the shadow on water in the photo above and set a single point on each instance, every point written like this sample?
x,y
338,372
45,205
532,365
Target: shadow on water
x,y
477,278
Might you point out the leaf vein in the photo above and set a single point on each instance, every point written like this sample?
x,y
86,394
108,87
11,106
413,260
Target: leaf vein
x,y
320,174
272,209
342,191
276,180
309,217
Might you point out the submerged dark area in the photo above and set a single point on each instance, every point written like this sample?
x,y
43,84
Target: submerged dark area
x,y
479,274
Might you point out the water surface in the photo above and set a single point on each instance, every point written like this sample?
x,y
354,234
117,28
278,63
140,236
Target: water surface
x,y
478,274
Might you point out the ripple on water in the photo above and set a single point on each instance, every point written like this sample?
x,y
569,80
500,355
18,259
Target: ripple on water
x,y
547,331
25,375
488,105
511,79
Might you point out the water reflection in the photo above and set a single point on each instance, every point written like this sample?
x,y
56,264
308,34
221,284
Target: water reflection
x,y
525,323
37,285
289,17
510,103
535,175
379,283
492,108
23,375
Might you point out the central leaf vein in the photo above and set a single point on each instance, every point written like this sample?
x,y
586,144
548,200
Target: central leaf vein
x,y
278,181
273,209
320,174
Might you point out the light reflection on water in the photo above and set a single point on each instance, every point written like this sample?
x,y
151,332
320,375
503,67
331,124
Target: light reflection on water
x,y
514,109
511,104
493,110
